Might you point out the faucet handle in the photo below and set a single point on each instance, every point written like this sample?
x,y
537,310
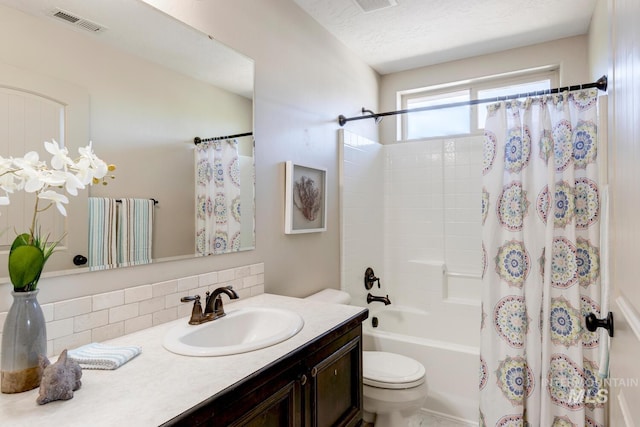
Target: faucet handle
x,y
196,312
190,298
370,278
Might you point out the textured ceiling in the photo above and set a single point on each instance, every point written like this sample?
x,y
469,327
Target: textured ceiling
x,y
416,33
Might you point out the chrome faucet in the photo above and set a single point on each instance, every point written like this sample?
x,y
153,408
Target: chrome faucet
x,y
213,306
373,298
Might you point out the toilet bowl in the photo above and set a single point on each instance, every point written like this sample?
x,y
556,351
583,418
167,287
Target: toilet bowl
x,y
394,386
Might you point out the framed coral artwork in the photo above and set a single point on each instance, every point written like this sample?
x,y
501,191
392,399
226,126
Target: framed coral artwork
x,y
305,199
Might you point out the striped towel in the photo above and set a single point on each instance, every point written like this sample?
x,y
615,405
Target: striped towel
x,y
135,231
100,356
102,233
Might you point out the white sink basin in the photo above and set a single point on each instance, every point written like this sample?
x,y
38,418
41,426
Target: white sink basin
x,y
240,331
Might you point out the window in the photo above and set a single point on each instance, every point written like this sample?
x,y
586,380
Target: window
x,y
439,122
464,119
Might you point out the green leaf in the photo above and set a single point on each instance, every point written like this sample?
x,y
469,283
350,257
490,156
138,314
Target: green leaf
x,y
21,240
25,265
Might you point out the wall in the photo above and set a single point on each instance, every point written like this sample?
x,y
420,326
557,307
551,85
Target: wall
x,y
599,41
305,78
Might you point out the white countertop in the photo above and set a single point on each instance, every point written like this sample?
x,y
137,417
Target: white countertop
x,y
159,385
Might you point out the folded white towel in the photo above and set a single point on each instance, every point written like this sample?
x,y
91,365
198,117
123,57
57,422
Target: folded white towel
x,y
100,356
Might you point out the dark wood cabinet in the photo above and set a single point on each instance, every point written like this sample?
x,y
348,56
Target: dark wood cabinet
x,y
335,388
317,385
279,409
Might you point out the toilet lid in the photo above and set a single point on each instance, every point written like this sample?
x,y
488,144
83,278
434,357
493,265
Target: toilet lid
x,y
390,370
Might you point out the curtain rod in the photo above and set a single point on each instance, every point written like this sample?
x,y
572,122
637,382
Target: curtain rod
x,y
155,202
197,140
601,84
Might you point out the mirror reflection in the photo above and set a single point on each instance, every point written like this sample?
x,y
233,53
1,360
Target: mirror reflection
x,y
141,95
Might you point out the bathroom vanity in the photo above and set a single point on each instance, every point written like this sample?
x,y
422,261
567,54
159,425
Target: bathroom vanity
x,y
312,379
318,384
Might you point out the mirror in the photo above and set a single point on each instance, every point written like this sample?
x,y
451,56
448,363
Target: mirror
x,y
150,85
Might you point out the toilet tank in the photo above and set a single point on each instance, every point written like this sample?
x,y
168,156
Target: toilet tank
x,y
334,296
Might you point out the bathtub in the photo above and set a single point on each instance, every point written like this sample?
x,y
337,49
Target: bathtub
x,y
449,351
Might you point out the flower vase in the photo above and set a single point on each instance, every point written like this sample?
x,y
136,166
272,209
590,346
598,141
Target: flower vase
x,y
24,342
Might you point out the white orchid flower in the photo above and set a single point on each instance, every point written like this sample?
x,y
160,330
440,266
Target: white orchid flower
x,y
6,165
60,155
56,198
84,172
87,154
37,180
10,183
101,168
34,176
30,160
30,174
53,178
27,170
72,183
89,160
33,183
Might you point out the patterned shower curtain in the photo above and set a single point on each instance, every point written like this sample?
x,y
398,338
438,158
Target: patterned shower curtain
x,y
217,197
541,273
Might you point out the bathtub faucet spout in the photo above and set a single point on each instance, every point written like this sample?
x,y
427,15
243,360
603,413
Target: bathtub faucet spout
x,y
373,298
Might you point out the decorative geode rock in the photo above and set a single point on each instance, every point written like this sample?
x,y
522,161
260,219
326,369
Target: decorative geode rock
x,y
59,380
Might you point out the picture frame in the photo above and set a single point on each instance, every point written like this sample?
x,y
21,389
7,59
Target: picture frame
x,y
305,199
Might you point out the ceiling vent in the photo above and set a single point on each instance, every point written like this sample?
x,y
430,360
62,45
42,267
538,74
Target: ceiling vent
x,y
76,21
373,5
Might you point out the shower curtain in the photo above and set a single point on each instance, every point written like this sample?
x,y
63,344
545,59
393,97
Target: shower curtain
x,y
217,197
541,268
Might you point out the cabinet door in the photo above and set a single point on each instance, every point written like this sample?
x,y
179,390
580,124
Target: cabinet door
x,y
336,387
278,410
270,399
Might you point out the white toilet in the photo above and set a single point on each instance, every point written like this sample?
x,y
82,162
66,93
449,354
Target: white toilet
x,y
395,386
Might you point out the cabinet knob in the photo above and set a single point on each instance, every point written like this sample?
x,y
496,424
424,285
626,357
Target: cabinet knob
x,y
314,372
303,379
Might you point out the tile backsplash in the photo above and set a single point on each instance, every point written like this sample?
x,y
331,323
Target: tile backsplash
x,y
75,322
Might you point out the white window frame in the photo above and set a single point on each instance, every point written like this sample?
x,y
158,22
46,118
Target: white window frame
x,y
473,85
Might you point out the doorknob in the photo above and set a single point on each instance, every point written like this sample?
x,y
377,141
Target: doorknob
x,y
594,323
79,260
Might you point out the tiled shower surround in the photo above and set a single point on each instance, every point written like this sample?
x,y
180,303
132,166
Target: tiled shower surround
x,y
100,317
411,210
432,202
